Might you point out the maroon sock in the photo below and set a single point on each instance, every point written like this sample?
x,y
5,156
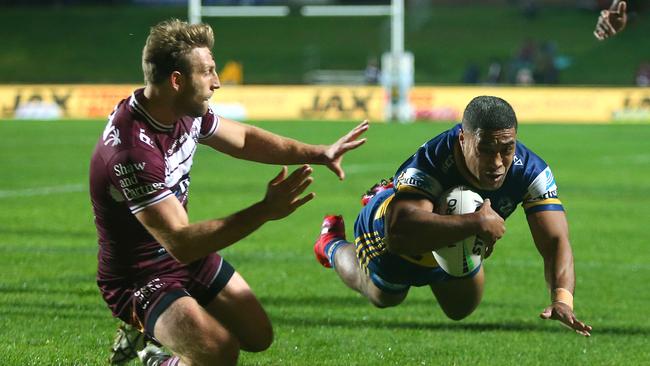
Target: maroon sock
x,y
172,361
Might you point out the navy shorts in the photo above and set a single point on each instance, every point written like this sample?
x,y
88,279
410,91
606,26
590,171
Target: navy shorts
x,y
389,271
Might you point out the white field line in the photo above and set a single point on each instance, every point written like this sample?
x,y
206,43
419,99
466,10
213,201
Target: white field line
x,y
42,191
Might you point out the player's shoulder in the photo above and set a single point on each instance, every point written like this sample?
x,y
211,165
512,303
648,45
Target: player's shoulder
x,y
427,171
437,153
526,162
127,133
534,174
443,143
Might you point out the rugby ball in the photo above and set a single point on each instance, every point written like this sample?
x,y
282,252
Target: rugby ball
x,y
463,257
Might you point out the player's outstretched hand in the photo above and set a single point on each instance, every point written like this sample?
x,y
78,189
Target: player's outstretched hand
x,y
283,193
334,152
563,313
611,21
492,226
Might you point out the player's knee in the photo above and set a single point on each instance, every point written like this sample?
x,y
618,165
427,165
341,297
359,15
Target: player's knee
x,y
458,313
211,346
457,316
223,350
261,342
385,302
381,304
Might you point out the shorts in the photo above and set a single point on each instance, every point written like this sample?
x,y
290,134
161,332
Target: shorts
x,y
142,304
391,272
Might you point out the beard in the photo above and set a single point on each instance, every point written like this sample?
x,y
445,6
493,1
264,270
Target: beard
x,y
192,106
197,109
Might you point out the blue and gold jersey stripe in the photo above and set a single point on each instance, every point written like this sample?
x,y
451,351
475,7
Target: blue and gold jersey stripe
x,y
381,210
369,246
549,204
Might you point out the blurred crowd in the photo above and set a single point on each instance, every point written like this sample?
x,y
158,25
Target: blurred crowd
x,y
532,63
643,75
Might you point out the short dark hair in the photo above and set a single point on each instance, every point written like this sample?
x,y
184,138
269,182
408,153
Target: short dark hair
x,y
488,113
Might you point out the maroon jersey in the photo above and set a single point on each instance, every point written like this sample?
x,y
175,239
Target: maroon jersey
x,y
137,163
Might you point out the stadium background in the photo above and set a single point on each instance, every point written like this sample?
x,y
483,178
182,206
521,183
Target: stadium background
x,y
57,53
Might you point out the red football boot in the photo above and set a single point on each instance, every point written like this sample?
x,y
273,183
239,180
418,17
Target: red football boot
x,y
333,228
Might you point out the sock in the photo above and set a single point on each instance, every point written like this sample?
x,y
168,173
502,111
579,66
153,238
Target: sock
x,y
332,247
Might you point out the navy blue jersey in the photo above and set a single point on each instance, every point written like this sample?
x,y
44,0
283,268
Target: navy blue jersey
x,y
432,170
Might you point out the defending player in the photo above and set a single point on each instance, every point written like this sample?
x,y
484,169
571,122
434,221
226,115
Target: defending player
x,y
612,21
398,227
157,272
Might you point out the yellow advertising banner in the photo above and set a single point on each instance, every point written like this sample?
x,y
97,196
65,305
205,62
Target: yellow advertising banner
x,y
60,101
539,104
301,102
239,102
252,102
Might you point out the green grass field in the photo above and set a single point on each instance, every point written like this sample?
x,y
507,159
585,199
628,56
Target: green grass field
x,y
51,312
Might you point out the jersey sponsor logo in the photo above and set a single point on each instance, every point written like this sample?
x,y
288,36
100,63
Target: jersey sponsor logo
x,y
123,169
550,180
547,195
128,181
142,191
518,161
144,138
543,184
143,295
505,206
111,135
174,146
179,163
416,178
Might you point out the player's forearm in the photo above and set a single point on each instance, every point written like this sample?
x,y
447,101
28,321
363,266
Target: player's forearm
x,y
558,266
196,241
266,147
418,231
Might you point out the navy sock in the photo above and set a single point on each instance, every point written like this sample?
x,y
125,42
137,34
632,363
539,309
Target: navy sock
x,y
332,247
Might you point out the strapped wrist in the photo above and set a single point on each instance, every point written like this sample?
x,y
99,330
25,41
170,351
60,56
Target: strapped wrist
x,y
562,295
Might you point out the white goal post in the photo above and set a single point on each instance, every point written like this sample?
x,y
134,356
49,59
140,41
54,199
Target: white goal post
x,y
397,66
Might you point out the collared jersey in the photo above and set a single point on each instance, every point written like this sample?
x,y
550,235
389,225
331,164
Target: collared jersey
x,y
138,162
432,170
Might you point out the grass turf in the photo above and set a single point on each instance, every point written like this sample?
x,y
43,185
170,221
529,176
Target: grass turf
x,y
51,312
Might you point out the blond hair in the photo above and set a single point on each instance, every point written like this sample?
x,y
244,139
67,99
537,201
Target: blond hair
x,y
168,44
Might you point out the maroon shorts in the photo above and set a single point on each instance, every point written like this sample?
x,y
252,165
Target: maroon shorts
x,y
142,303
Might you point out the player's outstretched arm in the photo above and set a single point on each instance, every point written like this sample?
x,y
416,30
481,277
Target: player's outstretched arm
x,y
551,235
167,221
252,143
611,21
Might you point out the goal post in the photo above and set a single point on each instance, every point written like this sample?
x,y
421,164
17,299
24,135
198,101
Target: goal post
x,y
397,66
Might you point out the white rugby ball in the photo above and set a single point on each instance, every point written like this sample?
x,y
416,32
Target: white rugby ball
x,y
463,257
